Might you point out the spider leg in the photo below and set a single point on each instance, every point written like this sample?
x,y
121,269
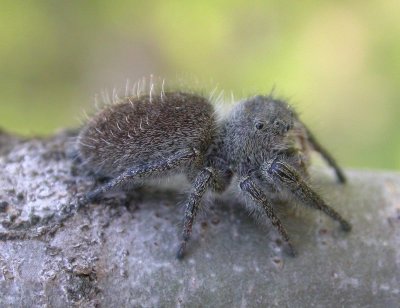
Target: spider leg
x,y
247,185
140,172
199,186
325,154
290,180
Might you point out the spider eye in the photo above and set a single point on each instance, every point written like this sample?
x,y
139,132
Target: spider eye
x,y
259,125
276,123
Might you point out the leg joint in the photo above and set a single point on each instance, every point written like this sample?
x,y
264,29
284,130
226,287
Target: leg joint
x,y
245,183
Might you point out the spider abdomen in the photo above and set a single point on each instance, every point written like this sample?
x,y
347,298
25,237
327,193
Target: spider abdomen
x,y
143,129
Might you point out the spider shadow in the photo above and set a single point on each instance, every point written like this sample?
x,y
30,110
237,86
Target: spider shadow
x,y
219,214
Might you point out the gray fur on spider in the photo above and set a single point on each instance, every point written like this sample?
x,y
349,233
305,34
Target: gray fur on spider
x,y
262,141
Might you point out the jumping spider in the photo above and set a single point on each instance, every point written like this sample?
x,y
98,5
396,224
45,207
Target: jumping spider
x,y
262,142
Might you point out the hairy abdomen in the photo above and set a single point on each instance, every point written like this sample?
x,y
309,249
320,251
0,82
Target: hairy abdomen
x,y
145,129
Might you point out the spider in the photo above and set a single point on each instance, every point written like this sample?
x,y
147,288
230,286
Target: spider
x,y
261,142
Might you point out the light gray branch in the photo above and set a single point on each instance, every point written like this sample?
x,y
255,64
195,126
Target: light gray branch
x,y
121,252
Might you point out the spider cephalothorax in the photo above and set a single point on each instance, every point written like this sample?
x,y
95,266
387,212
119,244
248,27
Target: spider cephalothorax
x,y
261,141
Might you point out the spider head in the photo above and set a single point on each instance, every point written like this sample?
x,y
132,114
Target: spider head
x,y
269,116
263,116
259,126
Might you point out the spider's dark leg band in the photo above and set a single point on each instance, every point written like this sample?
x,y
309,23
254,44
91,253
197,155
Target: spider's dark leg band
x,y
325,154
199,187
248,186
292,181
142,171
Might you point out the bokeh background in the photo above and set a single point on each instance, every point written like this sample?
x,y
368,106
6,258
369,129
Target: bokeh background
x,y
337,61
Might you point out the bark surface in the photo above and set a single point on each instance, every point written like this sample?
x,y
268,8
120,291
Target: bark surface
x,y
121,251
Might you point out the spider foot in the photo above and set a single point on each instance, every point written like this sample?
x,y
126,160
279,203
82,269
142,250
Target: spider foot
x,y
290,250
181,251
345,226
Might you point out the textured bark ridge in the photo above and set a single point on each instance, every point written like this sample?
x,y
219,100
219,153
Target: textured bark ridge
x,y
121,252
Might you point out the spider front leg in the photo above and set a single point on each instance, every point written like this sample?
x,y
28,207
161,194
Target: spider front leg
x,y
247,185
325,154
199,187
290,180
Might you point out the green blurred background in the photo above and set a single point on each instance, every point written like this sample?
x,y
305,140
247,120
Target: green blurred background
x,y
337,61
